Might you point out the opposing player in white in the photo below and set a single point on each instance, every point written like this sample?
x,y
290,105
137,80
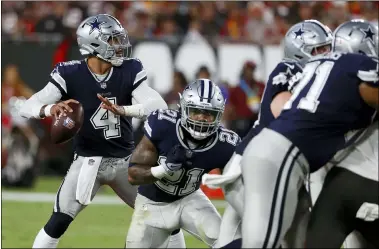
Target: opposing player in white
x,y
357,165
112,88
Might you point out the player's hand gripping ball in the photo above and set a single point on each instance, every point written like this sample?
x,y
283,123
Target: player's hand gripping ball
x,y
67,123
176,158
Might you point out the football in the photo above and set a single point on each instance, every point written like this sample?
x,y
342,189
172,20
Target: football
x,y
64,128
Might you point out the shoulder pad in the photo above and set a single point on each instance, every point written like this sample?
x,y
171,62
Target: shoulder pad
x,y
67,67
228,136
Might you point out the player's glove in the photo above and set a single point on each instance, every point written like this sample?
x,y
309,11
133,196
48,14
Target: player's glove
x,y
175,158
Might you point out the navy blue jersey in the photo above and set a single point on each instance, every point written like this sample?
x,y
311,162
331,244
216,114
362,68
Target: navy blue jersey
x,y
326,105
163,129
278,82
103,133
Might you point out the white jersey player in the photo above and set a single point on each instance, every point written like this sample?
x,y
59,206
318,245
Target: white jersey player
x,y
112,88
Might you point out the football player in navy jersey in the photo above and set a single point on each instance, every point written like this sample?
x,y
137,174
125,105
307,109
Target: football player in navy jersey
x,y
337,93
112,88
184,144
349,198
302,41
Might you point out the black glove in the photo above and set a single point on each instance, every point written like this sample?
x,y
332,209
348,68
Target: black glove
x,y
175,158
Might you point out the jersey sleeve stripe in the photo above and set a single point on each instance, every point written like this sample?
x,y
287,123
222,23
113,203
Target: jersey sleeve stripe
x,y
59,80
141,75
52,81
147,128
368,76
135,85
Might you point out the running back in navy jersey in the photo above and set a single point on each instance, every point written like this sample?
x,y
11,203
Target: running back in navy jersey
x,y
162,128
278,82
103,133
326,105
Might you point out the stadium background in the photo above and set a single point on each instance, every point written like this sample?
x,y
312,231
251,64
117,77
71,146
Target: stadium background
x,y
177,42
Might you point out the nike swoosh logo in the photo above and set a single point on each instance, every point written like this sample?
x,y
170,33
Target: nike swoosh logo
x,y
290,66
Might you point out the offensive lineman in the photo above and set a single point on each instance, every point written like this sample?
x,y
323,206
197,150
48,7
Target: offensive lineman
x,y
185,145
306,135
357,202
302,41
105,141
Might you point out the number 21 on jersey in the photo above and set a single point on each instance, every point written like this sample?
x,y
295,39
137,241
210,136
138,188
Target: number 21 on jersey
x,y
107,121
170,183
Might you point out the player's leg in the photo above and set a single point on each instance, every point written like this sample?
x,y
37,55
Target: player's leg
x,y
329,224
273,172
200,218
66,208
128,193
152,223
115,174
295,237
234,195
230,228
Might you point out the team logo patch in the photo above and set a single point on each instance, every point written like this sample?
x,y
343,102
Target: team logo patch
x,y
69,123
103,85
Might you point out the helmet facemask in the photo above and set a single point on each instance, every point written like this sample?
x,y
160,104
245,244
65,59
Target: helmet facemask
x,y
200,121
118,48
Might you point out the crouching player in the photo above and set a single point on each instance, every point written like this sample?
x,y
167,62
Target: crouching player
x,y
185,144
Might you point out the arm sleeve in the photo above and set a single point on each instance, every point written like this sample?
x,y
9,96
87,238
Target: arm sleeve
x,y
50,94
57,79
146,100
140,74
368,71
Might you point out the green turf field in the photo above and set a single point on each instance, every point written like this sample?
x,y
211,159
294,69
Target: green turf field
x,y
98,226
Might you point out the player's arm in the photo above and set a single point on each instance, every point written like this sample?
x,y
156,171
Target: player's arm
x,y
142,169
144,98
369,94
278,102
282,84
43,103
142,162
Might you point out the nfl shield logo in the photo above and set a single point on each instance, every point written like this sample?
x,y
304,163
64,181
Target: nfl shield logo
x,y
91,162
103,85
69,123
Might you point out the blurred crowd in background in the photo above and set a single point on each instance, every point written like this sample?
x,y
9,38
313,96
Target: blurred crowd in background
x,y
25,144
259,22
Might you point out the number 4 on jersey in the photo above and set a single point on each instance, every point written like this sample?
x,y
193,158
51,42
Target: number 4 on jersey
x,y
108,121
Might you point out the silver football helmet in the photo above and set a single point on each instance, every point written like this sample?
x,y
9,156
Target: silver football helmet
x,y
104,37
305,39
357,36
202,105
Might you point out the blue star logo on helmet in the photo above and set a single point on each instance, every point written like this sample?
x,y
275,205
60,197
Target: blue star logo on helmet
x,y
298,33
368,34
95,24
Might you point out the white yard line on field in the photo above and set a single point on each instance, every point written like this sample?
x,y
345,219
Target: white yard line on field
x,y
50,198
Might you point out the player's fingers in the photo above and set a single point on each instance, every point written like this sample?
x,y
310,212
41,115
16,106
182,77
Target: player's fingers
x,y
107,107
104,100
71,101
65,106
59,111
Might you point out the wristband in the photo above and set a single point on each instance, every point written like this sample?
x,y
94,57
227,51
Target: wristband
x,y
135,111
47,110
158,171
